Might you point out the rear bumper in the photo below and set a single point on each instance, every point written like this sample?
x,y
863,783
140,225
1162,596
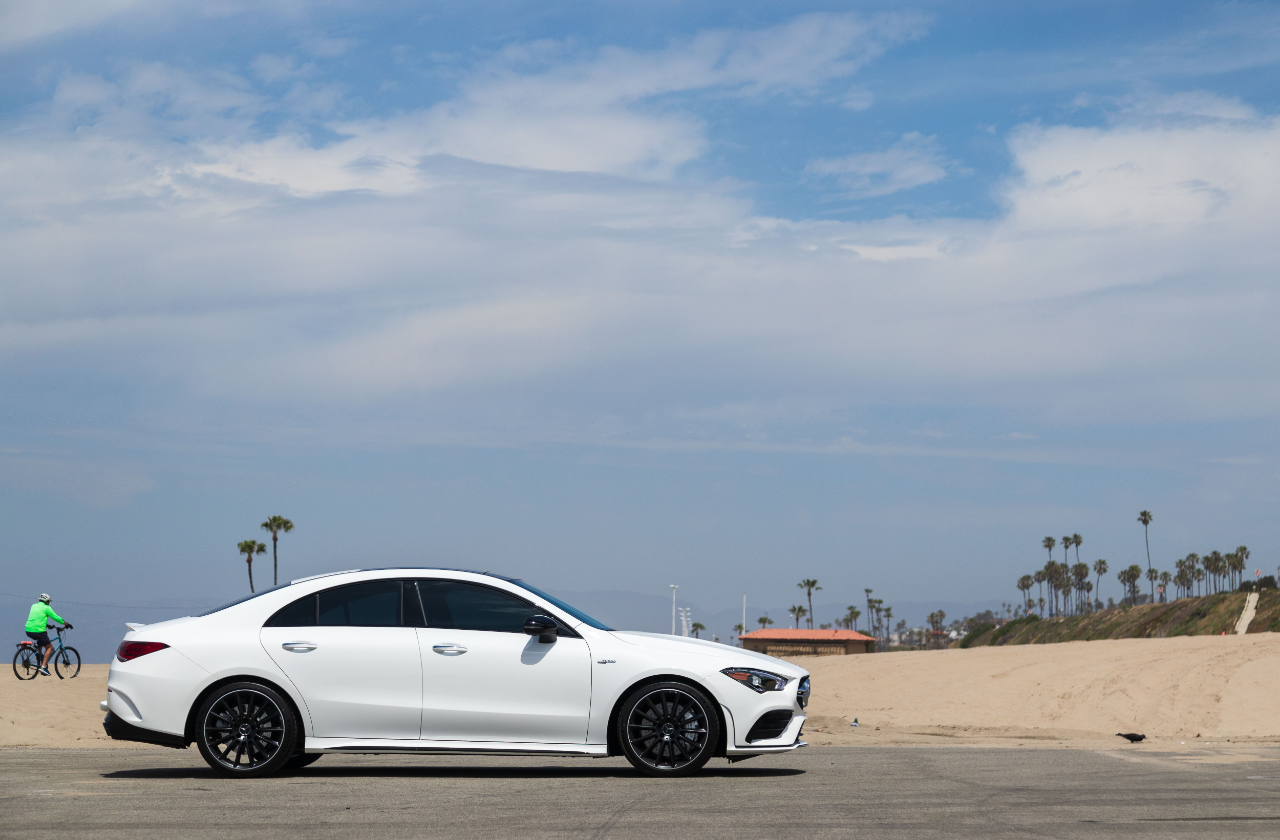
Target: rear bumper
x,y
122,730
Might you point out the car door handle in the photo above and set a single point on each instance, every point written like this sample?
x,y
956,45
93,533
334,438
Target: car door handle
x,y
449,650
299,647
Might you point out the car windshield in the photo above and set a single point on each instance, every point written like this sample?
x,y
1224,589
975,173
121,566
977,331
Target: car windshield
x,y
573,611
242,600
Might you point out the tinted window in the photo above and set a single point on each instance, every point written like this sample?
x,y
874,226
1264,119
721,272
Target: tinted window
x,y
569,608
301,613
372,604
412,606
468,606
230,604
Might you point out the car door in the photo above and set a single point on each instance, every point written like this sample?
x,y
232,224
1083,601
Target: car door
x,y
352,651
485,680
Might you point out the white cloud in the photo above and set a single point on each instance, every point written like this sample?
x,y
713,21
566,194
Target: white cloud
x,y
151,228
22,22
913,161
535,107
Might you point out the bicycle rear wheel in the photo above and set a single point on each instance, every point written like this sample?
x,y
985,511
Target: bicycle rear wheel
x,y
25,664
67,663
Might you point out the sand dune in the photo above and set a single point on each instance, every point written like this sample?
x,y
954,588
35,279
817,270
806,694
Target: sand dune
x,y
49,712
1073,694
1077,693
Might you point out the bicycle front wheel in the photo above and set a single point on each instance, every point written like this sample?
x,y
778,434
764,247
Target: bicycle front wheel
x,y
25,664
67,663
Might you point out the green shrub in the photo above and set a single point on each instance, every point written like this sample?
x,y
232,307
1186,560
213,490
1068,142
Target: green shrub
x,y
976,632
1009,627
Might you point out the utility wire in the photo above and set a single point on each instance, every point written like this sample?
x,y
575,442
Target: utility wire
x,y
109,606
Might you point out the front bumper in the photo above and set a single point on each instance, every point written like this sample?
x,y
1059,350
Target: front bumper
x,y
122,730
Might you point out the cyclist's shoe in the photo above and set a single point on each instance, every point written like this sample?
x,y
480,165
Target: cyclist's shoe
x,y
44,671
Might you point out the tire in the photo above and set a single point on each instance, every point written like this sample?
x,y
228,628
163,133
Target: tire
x,y
246,730
668,729
67,663
25,663
301,760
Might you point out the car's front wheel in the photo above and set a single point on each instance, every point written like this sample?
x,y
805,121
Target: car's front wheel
x,y
668,729
246,729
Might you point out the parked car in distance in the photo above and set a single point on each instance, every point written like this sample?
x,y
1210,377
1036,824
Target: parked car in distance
x,y
441,661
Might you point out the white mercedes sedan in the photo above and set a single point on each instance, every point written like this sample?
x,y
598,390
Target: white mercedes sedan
x,y
440,661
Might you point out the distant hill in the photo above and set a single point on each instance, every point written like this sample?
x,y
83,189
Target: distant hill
x,y
1210,615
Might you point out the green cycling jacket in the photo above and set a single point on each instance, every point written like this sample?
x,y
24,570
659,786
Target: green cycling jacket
x,y
38,621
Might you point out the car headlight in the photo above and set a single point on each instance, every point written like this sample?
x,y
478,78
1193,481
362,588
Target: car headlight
x,y
757,681
802,693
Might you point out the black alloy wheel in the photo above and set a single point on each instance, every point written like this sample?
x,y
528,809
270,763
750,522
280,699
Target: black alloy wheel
x,y
668,729
246,729
25,664
67,663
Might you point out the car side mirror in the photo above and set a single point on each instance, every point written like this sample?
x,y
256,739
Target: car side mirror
x,y
542,626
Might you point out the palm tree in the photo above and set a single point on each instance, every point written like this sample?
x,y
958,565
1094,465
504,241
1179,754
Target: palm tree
x,y
1165,578
696,628
1024,586
738,629
1193,562
1145,518
1153,576
1242,554
1100,567
808,585
765,621
1080,573
1077,541
275,525
888,621
1049,543
798,613
1038,577
851,617
249,548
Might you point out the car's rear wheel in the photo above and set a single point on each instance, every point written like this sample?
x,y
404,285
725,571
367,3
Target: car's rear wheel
x,y
246,729
668,729
302,760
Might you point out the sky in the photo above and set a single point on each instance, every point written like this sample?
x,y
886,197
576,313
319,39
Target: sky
x,y
614,296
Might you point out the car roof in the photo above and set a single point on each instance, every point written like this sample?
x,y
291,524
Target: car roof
x,y
405,569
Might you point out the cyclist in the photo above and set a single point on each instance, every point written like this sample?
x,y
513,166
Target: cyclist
x,y
38,628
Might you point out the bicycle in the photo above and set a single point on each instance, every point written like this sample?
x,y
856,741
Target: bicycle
x,y
65,660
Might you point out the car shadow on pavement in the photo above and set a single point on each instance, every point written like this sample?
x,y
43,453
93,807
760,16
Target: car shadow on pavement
x,y
319,773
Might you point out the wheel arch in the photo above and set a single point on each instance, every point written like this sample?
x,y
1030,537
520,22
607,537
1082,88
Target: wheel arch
x,y
615,746
189,730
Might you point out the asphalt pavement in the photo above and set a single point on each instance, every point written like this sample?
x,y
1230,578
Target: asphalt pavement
x,y
819,792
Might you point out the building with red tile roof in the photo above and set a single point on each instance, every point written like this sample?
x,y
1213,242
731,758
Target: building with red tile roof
x,y
785,642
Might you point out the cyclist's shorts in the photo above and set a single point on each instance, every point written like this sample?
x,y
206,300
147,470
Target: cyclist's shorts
x,y
42,638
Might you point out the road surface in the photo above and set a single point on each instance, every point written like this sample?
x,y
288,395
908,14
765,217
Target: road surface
x,y
819,792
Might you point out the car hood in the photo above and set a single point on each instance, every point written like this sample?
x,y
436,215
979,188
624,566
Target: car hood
x,y
730,655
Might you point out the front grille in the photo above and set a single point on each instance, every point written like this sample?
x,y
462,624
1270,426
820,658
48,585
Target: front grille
x,y
770,725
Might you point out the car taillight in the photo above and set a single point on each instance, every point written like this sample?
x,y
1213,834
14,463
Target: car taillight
x,y
132,650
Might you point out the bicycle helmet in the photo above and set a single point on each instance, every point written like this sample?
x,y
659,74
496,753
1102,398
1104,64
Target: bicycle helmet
x,y
44,599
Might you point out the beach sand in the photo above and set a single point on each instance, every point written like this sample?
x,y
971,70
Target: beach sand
x,y
1178,692
1191,691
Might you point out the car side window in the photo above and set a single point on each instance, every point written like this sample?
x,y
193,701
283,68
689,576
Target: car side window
x,y
301,613
375,603
456,605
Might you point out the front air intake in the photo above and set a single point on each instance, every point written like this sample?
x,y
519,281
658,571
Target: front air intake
x,y
770,725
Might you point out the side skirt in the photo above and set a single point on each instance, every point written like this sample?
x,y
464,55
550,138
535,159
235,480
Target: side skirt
x,y
386,745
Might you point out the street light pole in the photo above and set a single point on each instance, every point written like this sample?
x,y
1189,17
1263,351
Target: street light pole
x,y
674,587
